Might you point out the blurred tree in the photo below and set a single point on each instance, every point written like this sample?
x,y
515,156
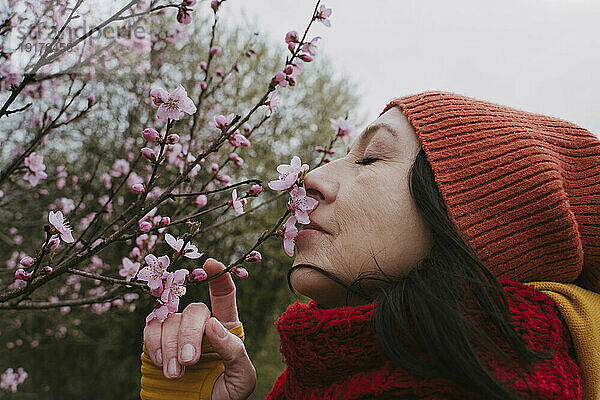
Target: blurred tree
x,y
78,353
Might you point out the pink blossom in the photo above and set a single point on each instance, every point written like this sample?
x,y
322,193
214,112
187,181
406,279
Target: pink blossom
x,y
9,380
255,189
238,139
61,226
165,221
341,127
174,288
172,138
241,272
272,103
47,270
288,174
66,205
289,235
36,167
21,274
128,268
53,243
222,122
198,274
214,167
155,271
224,179
237,160
190,250
203,85
148,153
214,4
145,226
292,37
280,78
172,105
183,16
27,261
300,204
323,15
203,65
201,200
254,256
311,47
138,188
237,203
305,58
215,50
151,135
135,253
160,313
120,167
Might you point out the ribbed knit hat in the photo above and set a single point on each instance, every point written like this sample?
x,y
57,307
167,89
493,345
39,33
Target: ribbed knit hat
x,y
522,189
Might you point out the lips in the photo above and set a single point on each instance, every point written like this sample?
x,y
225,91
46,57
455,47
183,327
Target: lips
x,y
314,226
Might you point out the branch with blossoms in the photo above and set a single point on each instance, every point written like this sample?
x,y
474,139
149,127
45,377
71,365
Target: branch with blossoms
x,y
165,281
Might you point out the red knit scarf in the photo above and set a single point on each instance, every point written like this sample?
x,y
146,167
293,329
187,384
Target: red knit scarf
x,y
334,354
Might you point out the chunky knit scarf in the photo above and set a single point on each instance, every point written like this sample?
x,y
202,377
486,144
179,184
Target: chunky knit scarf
x,y
334,354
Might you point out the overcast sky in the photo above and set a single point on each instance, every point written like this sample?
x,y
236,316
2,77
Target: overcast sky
x,y
541,56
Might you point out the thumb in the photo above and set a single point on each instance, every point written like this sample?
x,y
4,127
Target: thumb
x,y
239,378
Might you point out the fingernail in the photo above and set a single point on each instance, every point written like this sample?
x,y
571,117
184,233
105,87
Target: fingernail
x,y
172,368
187,353
159,356
219,329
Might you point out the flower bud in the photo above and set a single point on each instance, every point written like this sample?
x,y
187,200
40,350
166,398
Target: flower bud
x,y
203,85
135,253
148,153
20,274
254,256
214,167
198,274
241,273
165,221
215,50
145,226
27,261
138,188
201,200
172,138
47,270
54,242
255,189
151,135
289,70
203,65
305,57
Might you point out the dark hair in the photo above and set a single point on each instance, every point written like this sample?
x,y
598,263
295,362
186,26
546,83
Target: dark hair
x,y
438,292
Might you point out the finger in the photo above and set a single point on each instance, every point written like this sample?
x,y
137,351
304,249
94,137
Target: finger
x,y
222,294
152,333
191,329
240,374
170,332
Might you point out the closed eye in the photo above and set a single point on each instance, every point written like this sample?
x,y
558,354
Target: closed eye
x,y
366,161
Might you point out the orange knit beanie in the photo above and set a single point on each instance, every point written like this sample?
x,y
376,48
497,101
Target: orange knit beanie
x,y
522,189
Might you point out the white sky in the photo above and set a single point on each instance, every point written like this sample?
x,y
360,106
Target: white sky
x,y
541,56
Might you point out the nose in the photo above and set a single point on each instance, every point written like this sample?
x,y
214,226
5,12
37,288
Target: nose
x,y
321,183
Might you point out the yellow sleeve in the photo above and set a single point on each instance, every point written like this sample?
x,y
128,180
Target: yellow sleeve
x,y
196,383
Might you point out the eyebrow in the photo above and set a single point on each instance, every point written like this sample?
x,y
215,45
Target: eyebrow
x,y
371,129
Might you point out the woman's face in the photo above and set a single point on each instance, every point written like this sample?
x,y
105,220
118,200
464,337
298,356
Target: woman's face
x,y
367,216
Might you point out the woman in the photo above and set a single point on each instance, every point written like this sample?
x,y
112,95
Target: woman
x,y
415,261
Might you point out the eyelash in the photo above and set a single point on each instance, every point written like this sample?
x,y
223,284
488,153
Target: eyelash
x,y
366,161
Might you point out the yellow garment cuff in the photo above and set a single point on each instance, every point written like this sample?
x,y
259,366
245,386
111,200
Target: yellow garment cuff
x,y
196,383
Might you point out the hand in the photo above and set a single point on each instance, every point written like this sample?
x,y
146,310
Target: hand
x,y
177,341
